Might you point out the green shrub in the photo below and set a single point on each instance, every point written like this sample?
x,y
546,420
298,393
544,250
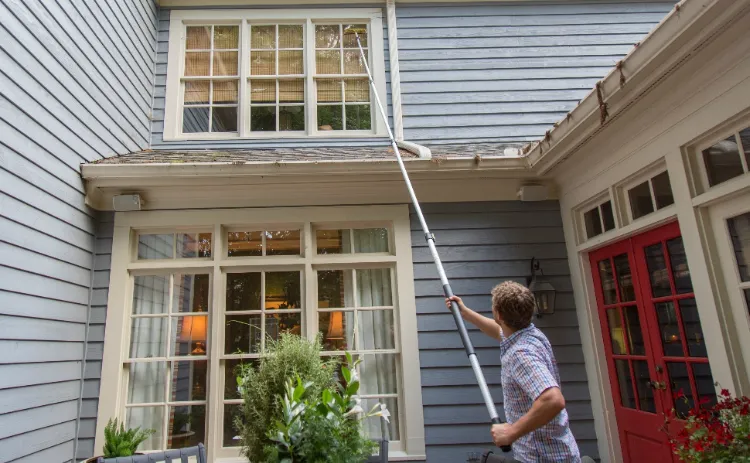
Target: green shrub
x,y
121,442
325,427
262,387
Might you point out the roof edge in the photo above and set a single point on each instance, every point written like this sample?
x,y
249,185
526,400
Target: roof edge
x,y
657,55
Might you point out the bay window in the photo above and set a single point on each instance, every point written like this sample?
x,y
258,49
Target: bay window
x,y
195,294
273,73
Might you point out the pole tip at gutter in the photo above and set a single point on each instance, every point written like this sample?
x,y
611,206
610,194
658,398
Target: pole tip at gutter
x,y
421,151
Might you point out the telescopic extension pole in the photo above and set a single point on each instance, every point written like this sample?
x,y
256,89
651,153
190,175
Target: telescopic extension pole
x,y
494,417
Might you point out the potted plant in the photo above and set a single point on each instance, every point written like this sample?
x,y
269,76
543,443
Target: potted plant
x,y
119,442
715,434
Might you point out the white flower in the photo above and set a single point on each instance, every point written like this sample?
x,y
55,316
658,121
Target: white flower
x,y
383,413
354,376
356,409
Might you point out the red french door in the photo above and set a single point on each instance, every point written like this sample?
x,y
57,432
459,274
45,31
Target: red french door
x,y
656,352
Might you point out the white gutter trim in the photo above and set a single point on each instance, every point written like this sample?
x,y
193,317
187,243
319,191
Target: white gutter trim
x,y
398,120
95,172
640,64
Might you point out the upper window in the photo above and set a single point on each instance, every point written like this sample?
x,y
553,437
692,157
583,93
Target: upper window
x,y
651,195
727,158
599,219
255,74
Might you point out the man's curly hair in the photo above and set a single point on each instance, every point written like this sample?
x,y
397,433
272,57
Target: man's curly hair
x,y
514,303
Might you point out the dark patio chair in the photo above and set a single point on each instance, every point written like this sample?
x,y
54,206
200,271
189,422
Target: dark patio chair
x,y
382,455
168,456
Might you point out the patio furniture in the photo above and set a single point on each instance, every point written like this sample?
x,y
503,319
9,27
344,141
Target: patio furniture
x,y
169,456
382,455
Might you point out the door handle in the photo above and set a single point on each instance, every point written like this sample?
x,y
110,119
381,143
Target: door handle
x,y
657,385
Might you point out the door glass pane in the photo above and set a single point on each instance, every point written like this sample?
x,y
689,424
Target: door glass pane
x,y
188,381
635,335
374,287
245,244
739,230
155,246
370,240
190,293
680,270
662,190
378,374
147,382
669,330
704,384
608,282
147,418
627,398
640,200
335,289
282,290
243,334
624,278
243,291
189,335
231,435
692,326
680,384
148,338
642,380
151,294
615,331
722,161
231,370
378,428
376,329
283,323
336,330
193,245
657,271
187,426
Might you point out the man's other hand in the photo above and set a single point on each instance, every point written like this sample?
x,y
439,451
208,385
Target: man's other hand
x,y
502,434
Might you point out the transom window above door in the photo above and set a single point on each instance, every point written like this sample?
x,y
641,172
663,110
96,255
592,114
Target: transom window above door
x,y
271,74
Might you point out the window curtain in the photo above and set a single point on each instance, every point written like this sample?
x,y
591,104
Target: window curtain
x,y
374,289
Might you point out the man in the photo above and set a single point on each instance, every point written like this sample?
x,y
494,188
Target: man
x,y
537,426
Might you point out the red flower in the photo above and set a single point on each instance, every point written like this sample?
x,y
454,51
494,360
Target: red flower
x,y
679,394
725,393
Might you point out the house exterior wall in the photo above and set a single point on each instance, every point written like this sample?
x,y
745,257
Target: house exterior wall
x,y
76,80
157,128
507,72
482,244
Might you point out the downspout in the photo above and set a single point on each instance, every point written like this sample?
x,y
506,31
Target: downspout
x,y
398,116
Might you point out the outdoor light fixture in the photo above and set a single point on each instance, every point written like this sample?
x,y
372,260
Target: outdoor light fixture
x,y
544,292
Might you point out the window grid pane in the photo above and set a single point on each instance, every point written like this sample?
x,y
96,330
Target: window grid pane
x,y
169,320
277,101
211,105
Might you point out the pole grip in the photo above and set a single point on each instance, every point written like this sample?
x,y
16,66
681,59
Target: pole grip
x,y
504,448
456,311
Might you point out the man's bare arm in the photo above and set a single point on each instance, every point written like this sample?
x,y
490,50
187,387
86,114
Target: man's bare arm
x,y
485,324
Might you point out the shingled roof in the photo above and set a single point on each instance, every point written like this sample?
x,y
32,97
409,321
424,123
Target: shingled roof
x,y
272,155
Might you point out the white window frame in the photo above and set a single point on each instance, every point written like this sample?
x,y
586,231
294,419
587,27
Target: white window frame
x,y
583,208
179,19
646,175
113,391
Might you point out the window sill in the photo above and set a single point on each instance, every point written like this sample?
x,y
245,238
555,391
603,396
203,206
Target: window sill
x,y
276,136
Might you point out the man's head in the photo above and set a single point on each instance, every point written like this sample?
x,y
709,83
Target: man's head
x,y
513,304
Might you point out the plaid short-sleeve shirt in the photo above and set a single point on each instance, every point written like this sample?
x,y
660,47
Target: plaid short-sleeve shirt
x,y
529,369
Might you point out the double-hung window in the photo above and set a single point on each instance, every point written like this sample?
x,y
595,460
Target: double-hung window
x,y
194,294
273,73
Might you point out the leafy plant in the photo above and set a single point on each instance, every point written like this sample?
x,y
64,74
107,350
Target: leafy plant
x,y
325,427
716,434
263,388
119,442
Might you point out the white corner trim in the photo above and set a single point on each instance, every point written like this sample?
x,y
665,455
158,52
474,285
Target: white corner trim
x,y
398,119
422,151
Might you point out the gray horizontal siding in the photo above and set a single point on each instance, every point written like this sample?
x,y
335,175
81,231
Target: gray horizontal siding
x,y
482,244
160,88
95,338
504,72
76,84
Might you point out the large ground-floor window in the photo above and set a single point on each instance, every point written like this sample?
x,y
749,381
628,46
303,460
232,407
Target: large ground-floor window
x,y
200,293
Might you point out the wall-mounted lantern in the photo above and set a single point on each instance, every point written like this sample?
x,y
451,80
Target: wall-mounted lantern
x,y
544,292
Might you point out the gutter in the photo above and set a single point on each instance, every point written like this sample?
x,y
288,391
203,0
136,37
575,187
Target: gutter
x,y
683,32
94,173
